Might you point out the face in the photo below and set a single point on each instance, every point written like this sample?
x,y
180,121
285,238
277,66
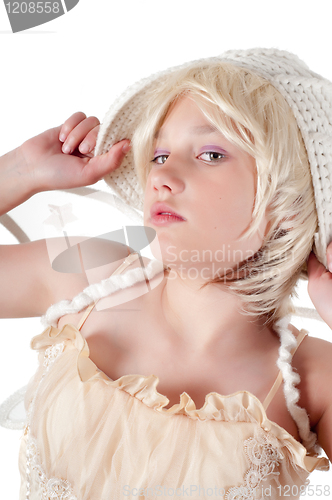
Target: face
x,y
200,194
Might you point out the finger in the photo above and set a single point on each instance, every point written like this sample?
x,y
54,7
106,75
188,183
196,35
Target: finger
x,y
78,134
314,267
90,140
101,165
329,256
70,124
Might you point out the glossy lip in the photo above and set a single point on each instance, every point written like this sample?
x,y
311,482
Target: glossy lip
x,y
158,208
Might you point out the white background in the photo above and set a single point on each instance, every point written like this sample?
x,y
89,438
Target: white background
x,y
82,61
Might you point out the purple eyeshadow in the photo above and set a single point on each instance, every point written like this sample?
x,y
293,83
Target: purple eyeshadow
x,y
212,147
159,152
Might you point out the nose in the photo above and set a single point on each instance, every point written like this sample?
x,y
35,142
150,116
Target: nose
x,y
167,178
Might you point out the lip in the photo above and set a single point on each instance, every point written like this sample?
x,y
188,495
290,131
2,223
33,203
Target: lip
x,y
160,218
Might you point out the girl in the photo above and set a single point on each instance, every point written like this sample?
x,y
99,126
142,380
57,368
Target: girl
x,y
231,164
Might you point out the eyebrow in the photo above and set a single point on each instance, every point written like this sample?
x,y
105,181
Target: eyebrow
x,y
197,130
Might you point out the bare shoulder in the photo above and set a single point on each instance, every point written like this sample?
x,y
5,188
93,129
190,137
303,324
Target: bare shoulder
x,y
99,260
313,362
317,355
39,273
83,263
135,299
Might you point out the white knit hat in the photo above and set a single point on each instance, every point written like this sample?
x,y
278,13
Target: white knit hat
x,y
308,94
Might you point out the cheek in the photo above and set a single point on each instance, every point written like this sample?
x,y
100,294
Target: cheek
x,y
147,200
230,203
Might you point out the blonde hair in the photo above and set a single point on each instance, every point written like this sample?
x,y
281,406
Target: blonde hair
x,y
252,114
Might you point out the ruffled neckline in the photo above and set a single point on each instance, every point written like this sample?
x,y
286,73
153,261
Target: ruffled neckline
x,y
240,406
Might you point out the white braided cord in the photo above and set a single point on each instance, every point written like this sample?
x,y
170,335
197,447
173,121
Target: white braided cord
x,y
291,379
100,290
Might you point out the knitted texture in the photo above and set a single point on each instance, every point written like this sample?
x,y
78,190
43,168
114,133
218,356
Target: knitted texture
x,y
308,94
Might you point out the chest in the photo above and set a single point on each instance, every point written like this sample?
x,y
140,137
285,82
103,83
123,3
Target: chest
x,y
130,340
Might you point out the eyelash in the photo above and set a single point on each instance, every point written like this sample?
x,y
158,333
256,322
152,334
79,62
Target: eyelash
x,y
159,156
221,155
214,160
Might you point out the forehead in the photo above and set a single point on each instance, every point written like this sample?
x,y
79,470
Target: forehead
x,y
194,130
186,112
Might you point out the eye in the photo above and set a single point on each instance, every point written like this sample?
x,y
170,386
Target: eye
x,y
160,160
211,156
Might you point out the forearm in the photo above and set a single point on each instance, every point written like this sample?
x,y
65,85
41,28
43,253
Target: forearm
x,y
15,182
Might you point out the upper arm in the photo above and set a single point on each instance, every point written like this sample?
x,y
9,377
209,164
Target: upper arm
x,y
317,390
29,284
324,431
323,427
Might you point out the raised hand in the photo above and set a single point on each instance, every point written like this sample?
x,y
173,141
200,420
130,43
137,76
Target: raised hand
x,y
63,157
60,158
320,285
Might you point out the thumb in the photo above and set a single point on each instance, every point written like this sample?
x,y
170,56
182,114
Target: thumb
x,y
315,268
329,256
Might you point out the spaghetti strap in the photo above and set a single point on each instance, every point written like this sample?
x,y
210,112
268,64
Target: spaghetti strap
x,y
85,315
128,260
279,379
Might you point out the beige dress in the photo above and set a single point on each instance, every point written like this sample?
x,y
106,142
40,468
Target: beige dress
x,y
91,438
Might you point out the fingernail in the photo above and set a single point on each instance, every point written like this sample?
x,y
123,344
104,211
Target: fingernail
x,y
329,262
66,148
126,148
62,137
84,147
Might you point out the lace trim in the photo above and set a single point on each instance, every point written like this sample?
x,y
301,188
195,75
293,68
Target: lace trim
x,y
53,488
264,457
51,353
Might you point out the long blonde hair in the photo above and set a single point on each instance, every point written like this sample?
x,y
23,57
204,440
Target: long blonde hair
x,y
252,114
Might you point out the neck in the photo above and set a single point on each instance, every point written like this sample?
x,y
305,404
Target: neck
x,y
202,318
